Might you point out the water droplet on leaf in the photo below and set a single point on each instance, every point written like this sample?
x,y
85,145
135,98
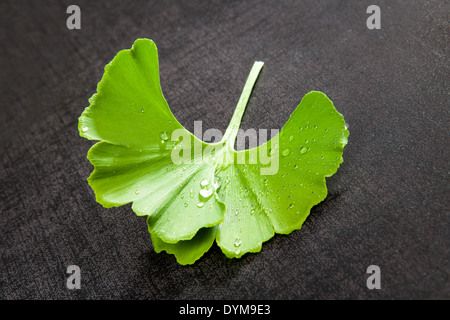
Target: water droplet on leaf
x,y
206,192
204,183
164,136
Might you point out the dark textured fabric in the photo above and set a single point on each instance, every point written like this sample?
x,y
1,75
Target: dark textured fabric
x,y
387,204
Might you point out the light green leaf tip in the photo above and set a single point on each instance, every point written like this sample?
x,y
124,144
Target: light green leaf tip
x,y
237,198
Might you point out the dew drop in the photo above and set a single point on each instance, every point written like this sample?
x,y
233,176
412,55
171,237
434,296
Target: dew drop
x,y
346,126
306,141
136,192
237,251
291,206
200,204
303,150
84,129
186,204
285,152
164,136
142,110
206,192
238,242
204,183
295,166
291,138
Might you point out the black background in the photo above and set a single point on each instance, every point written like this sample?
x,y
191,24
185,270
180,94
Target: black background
x,y
387,204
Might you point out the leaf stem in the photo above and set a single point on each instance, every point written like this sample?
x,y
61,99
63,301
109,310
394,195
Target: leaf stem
x,y
232,130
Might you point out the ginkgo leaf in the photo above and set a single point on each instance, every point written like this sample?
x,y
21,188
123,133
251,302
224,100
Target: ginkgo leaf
x,y
310,149
188,251
194,193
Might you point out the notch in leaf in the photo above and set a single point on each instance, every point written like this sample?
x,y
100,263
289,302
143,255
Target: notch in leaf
x,y
216,193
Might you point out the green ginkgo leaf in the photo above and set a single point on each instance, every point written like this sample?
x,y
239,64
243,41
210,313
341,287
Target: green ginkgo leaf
x,y
194,193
